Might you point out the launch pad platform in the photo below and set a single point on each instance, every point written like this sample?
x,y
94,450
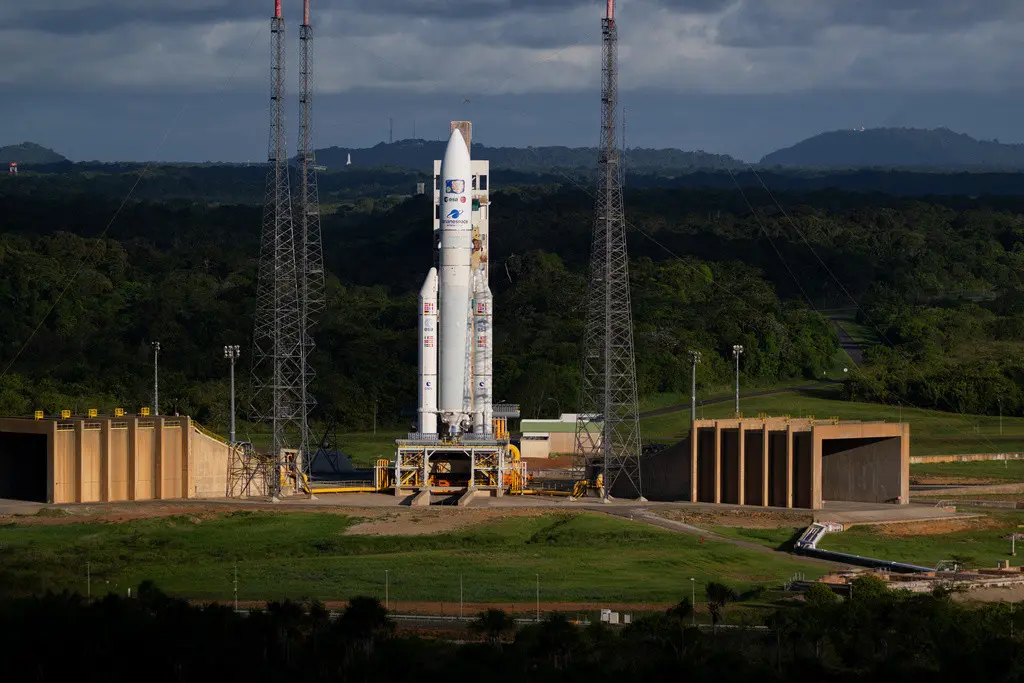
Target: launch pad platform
x,y
484,463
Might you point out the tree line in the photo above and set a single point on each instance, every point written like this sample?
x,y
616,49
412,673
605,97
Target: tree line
x,y
937,280
873,634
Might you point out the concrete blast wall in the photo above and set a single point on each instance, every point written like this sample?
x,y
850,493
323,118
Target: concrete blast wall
x,y
84,460
781,463
865,470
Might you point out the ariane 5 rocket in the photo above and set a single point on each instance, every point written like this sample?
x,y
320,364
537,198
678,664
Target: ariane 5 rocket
x,y
455,313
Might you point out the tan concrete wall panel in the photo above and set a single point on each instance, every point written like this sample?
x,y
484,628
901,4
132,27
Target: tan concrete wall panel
x,y
64,475
145,463
118,464
91,465
208,466
172,463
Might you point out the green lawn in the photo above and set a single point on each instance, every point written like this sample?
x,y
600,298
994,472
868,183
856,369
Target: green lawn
x,y
775,539
1009,471
931,432
577,556
983,546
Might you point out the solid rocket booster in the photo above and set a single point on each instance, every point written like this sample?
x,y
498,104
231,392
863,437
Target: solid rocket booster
x,y
428,355
454,283
482,325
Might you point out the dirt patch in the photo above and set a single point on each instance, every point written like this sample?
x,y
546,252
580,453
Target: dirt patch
x,y
992,594
127,512
940,526
745,519
416,522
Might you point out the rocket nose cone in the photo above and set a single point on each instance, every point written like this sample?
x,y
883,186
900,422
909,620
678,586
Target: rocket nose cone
x,y
429,288
456,151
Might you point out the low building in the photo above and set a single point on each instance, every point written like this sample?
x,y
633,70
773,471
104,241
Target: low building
x,y
549,438
783,462
100,459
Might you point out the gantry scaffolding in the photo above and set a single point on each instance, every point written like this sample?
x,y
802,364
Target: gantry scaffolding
x,y
278,371
309,248
607,443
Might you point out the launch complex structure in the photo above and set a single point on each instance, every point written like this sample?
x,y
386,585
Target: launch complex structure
x,y
462,439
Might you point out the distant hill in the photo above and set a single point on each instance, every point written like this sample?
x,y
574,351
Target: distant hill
x,y
419,155
938,148
29,153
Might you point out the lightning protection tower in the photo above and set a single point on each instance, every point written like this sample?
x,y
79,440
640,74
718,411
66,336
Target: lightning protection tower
x,y
608,425
278,378
310,247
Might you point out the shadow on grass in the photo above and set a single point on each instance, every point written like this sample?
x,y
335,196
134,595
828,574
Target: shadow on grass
x,y
789,545
832,391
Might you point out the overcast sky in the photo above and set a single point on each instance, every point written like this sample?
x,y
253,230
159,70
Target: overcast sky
x,y
188,79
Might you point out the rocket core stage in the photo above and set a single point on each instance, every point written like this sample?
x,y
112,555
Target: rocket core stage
x,y
455,310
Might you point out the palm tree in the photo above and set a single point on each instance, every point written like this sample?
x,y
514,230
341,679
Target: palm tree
x,y
493,625
719,595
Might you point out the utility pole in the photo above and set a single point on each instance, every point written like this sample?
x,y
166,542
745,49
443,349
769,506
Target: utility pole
x,y
156,377
695,359
232,353
737,351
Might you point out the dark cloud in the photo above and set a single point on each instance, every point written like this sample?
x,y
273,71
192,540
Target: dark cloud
x,y
756,23
542,54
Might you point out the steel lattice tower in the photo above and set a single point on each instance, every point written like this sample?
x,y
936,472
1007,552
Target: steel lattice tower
x,y
310,247
608,426
278,377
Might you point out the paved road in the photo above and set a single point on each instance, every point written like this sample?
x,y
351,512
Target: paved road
x,y
729,399
846,342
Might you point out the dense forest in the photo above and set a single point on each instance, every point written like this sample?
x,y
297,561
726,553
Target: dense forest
x,y
874,635
86,285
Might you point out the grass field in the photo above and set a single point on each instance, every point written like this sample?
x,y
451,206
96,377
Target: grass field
x,y
981,542
931,432
994,471
577,557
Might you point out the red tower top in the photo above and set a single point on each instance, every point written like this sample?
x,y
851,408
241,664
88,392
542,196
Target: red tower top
x,y
277,9
611,10
305,13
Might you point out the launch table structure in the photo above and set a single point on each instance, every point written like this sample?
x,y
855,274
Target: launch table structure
x,y
462,438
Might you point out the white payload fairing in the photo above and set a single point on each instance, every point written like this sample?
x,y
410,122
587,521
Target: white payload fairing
x,y
455,311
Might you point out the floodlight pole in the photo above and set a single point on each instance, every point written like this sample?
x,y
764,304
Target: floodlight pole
x,y
693,602
231,353
156,377
737,350
695,359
